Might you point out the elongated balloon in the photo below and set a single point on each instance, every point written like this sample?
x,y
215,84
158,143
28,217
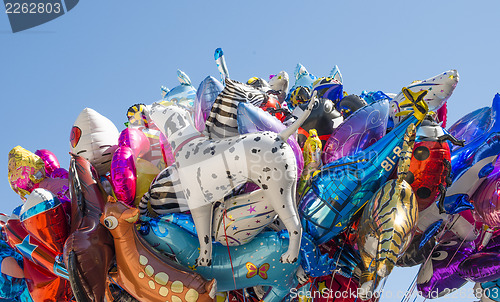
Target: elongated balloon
x,y
359,131
221,64
123,175
252,119
440,88
207,92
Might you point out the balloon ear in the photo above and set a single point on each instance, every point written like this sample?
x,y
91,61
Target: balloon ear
x,y
111,199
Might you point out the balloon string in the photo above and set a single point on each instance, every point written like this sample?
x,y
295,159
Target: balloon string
x,y
413,285
335,271
227,244
456,251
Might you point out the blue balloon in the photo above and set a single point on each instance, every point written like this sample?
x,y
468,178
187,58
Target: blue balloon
x,y
11,287
430,232
184,94
344,186
472,163
255,263
315,264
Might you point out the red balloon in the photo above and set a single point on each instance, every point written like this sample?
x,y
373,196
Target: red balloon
x,y
45,286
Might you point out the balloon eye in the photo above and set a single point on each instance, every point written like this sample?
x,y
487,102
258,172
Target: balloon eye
x,y
328,107
316,104
449,243
439,255
111,222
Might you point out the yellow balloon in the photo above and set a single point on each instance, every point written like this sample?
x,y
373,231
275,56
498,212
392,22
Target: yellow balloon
x,y
26,169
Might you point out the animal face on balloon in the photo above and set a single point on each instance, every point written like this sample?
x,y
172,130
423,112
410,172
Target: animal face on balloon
x,y
439,274
141,271
210,169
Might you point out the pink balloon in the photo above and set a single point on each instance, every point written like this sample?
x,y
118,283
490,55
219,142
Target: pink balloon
x,y
123,175
50,160
135,139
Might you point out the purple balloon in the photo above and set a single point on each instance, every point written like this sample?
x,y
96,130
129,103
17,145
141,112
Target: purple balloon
x,y
206,94
480,267
59,173
439,275
486,199
471,125
359,131
252,119
50,160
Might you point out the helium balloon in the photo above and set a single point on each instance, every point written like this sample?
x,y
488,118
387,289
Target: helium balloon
x,y
344,186
33,249
439,275
88,251
387,223
473,162
480,267
312,159
324,118
95,138
255,263
12,283
221,64
486,198
26,171
440,88
335,74
43,216
124,175
359,131
143,272
216,165
430,164
184,94
251,119
302,78
45,286
50,161
135,139
472,125
207,92
222,121
240,218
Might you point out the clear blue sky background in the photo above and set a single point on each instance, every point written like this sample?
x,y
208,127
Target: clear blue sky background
x,y
108,55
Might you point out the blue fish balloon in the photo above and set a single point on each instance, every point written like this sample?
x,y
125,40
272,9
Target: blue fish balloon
x,y
255,263
473,162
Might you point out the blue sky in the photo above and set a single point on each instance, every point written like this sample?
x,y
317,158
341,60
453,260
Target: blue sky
x,y
108,55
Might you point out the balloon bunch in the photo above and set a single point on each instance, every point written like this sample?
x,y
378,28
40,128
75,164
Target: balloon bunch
x,y
253,191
